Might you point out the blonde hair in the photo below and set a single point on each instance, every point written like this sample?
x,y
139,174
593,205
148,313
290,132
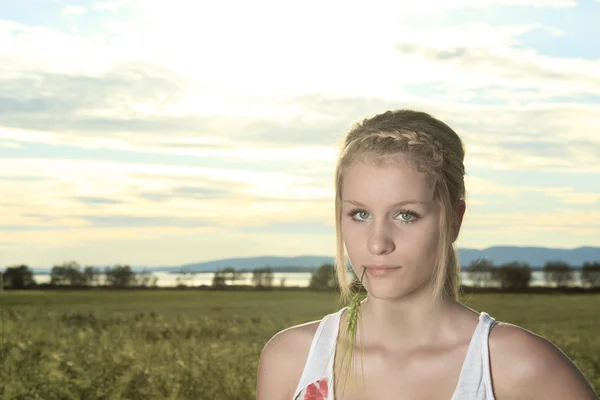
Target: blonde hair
x,y
432,147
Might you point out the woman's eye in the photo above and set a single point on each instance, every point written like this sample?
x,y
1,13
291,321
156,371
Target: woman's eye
x,y
358,215
406,217
361,215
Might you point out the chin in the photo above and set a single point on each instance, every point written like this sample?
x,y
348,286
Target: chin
x,y
385,294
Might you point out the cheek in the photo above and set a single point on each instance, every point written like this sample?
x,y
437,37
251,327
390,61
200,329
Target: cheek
x,y
423,237
347,232
421,244
352,235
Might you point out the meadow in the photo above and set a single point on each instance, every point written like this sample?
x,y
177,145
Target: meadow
x,y
194,344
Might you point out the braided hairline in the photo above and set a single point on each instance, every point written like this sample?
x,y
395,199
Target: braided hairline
x,y
417,140
413,139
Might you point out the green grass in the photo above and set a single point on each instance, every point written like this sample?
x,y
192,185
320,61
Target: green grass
x,y
187,344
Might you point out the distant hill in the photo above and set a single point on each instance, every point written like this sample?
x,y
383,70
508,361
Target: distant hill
x,y
536,257
279,264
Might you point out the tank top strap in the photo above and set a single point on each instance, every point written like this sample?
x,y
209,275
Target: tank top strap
x,y
319,362
488,324
474,382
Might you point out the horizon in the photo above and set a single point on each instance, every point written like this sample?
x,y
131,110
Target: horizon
x,y
124,142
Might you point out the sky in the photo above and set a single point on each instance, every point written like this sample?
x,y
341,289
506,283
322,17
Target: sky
x,y
171,132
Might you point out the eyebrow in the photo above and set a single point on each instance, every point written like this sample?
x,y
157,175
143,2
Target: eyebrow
x,y
400,203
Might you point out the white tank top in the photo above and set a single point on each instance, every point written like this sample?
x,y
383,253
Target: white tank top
x,y
316,382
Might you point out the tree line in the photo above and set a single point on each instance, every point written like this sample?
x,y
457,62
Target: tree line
x,y
71,274
261,277
517,275
482,273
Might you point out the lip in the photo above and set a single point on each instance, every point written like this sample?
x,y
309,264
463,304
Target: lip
x,y
381,270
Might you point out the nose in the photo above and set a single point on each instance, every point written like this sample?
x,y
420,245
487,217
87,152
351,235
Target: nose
x,y
380,240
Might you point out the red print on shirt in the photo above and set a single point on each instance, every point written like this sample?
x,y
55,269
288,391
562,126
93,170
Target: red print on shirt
x,y
317,390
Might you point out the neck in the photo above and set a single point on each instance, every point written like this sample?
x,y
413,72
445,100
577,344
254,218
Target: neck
x,y
411,321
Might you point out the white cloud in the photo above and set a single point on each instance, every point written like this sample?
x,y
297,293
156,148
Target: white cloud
x,y
553,138
74,10
484,187
67,205
111,6
249,53
223,197
480,190
540,221
571,197
10,144
27,49
278,55
434,6
179,145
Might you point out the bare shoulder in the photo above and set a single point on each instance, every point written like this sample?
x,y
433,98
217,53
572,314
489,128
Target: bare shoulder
x,y
282,361
525,365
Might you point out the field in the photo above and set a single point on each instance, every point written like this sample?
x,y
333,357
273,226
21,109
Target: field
x,y
189,344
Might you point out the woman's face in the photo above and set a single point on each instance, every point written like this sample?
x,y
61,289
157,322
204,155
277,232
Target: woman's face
x,y
390,226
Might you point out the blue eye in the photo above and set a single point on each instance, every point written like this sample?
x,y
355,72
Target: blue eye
x,y
358,215
407,216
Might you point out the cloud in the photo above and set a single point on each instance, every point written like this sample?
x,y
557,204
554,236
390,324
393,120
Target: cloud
x,y
134,105
10,145
483,58
132,221
570,197
98,200
124,87
553,137
291,227
74,10
540,221
156,194
284,63
111,6
490,56
147,106
188,192
31,49
23,178
435,5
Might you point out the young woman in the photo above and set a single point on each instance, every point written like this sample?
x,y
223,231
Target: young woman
x,y
399,205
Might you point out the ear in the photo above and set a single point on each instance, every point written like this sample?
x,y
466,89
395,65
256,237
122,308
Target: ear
x,y
460,213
